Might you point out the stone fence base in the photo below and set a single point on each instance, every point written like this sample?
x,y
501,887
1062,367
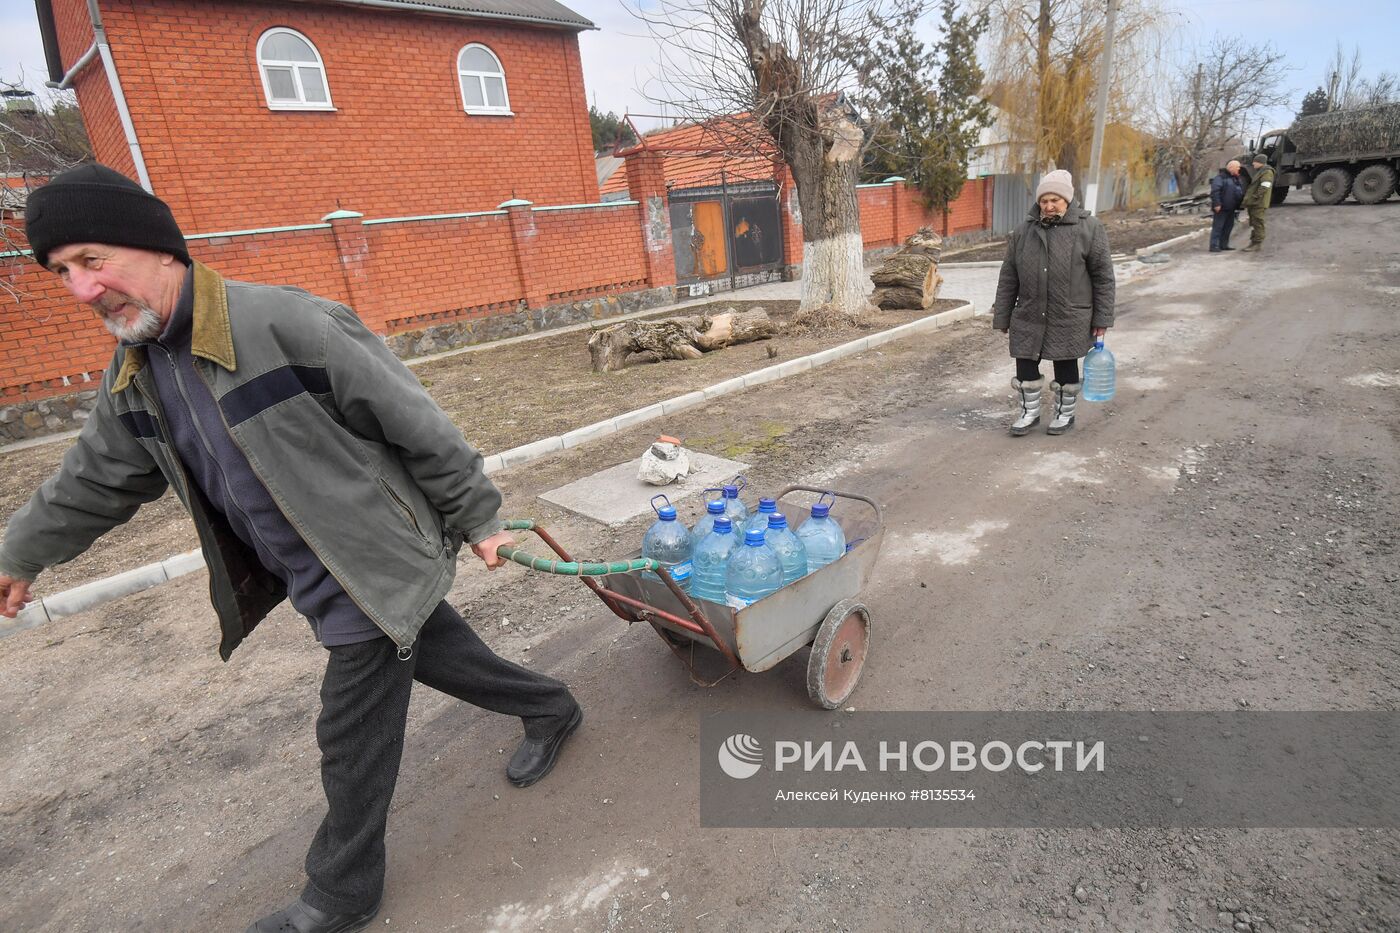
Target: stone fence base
x,y
24,420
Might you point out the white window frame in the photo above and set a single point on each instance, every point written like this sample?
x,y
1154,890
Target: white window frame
x,y
302,103
479,75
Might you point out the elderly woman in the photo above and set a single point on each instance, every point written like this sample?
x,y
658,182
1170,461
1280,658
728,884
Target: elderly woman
x,y
1055,296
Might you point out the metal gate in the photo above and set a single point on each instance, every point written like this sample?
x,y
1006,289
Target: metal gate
x,y
727,234
1011,199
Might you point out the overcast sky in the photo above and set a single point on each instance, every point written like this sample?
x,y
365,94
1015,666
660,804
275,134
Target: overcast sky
x,y
617,59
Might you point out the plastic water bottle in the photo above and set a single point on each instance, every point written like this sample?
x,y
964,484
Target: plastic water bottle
x,y
754,571
823,537
734,510
792,553
713,510
711,561
1099,374
767,508
668,541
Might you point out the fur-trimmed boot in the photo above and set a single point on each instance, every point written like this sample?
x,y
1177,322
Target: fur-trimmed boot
x,y
1065,398
1028,395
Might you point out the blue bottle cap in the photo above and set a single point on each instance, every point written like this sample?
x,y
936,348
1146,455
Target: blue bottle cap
x,y
777,520
723,526
768,505
820,510
667,513
1098,344
730,492
715,506
754,537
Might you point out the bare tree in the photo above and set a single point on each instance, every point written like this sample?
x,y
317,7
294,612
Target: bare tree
x,y
1212,98
38,139
785,65
1044,65
1348,87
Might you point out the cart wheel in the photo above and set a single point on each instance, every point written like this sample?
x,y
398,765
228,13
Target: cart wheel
x,y
838,654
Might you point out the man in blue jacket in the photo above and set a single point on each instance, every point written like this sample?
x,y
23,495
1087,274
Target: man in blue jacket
x,y
1226,193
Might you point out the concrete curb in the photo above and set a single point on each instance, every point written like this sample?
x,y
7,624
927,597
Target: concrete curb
x,y
1158,247
82,598
536,449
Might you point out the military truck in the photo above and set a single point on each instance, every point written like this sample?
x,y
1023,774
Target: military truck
x,y
1342,152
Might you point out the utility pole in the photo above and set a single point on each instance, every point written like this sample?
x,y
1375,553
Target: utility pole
x,y
1091,189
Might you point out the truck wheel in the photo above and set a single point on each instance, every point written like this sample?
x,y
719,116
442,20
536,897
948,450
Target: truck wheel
x,y
1374,184
1331,186
1278,197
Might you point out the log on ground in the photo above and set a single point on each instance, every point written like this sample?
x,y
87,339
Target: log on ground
x,y
680,338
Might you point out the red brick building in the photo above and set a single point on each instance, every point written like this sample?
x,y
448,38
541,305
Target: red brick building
x,y
256,114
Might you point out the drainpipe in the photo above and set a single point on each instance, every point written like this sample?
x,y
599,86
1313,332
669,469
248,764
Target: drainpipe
x,y
110,66
78,66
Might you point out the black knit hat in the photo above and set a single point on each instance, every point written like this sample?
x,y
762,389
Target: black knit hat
x,y
95,204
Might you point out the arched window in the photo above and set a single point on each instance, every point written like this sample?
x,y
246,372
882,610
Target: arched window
x,y
292,73
483,81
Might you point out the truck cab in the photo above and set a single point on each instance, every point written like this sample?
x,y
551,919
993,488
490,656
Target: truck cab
x,y
1283,157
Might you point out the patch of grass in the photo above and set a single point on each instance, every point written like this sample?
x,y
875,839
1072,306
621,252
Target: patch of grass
x,y
733,445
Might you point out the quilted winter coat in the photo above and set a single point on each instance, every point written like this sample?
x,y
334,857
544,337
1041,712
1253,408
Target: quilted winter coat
x,y
1056,285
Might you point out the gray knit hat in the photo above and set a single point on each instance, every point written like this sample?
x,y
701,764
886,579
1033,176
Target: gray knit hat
x,y
1057,182
96,204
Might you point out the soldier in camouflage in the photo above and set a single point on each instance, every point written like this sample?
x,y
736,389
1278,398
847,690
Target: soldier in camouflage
x,y
1256,200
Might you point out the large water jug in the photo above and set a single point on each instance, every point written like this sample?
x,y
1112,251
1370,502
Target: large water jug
x,y
759,520
822,536
668,541
711,562
754,571
734,509
1099,374
792,553
713,510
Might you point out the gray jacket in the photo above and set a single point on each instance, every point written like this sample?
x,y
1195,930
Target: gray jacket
x,y
369,470
1056,285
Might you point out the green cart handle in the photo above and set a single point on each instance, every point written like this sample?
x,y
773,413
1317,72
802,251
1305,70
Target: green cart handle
x,y
566,568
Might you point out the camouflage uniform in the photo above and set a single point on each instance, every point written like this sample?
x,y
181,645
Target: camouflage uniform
x,y
1256,202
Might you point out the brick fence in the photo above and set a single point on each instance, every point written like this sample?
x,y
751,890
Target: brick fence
x,y
427,283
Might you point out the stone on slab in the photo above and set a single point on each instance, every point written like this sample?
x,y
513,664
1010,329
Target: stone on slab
x,y
615,495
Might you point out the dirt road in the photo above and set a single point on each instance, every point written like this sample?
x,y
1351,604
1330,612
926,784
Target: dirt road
x,y
1224,533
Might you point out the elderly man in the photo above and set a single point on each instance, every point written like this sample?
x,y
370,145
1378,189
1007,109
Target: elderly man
x,y
1226,192
1257,198
316,469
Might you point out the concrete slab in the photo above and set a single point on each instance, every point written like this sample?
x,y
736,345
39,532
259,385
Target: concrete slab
x,y
615,495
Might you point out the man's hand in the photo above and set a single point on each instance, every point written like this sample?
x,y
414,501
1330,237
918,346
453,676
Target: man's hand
x,y
1100,331
1216,208
1005,330
13,595
486,548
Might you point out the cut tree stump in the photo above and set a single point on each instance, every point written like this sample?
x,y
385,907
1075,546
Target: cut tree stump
x,y
909,278
677,338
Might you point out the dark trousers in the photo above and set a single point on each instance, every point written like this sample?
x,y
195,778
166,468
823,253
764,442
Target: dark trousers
x,y
1066,371
364,705
1221,226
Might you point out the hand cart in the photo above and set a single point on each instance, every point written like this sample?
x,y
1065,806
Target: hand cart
x,y
822,609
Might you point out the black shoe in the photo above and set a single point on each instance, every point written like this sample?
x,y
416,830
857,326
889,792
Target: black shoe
x,y
301,917
1215,249
1229,248
535,757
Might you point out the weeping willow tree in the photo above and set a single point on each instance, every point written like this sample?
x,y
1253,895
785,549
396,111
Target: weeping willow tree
x,y
1045,58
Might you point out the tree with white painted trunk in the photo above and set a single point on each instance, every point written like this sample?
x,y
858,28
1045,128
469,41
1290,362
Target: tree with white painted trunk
x,y
776,73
